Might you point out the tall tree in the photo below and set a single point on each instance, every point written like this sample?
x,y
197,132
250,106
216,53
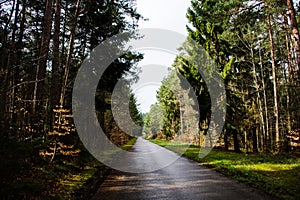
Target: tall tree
x,y
244,40
38,96
56,67
274,74
295,32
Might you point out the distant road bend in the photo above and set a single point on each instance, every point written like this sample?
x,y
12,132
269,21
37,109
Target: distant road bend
x,y
182,180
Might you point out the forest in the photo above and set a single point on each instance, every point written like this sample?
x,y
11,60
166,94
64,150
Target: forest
x,y
43,44
255,46
255,49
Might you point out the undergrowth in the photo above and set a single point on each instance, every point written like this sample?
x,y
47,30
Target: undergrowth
x,y
25,175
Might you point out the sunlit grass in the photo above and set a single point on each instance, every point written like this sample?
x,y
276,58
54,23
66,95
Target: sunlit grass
x,y
277,175
268,167
129,144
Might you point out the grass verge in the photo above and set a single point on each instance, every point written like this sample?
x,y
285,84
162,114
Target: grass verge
x,y
129,144
277,175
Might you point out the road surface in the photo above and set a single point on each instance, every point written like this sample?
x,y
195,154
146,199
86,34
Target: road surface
x,y
182,180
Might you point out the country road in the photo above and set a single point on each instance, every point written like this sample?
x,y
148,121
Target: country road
x,y
182,180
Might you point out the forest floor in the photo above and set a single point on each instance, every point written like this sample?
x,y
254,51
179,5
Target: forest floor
x,y
277,175
25,175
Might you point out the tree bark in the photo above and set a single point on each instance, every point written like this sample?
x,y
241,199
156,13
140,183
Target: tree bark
x,y
254,139
226,143
288,79
265,103
56,75
236,144
4,68
274,74
12,63
261,114
69,54
42,61
295,32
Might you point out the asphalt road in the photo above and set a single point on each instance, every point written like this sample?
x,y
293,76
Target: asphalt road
x,y
182,180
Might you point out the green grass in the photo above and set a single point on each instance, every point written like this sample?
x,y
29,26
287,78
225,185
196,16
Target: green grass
x,y
129,144
278,175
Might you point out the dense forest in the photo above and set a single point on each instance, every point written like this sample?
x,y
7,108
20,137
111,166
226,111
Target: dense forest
x,y
255,48
42,45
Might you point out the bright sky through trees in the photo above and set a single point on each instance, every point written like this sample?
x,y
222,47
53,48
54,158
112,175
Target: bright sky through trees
x,y
163,14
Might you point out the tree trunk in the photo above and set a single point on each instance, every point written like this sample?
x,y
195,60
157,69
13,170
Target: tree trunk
x,y
246,141
236,144
288,79
19,45
274,74
56,76
42,61
254,139
181,118
261,114
64,40
295,32
265,103
69,54
14,72
5,65
226,143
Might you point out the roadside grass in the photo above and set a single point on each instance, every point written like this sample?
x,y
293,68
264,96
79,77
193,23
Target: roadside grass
x,y
129,144
24,175
278,175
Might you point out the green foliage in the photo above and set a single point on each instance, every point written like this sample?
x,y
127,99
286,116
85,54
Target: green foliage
x,y
129,144
153,121
170,105
135,114
177,106
227,69
192,66
236,36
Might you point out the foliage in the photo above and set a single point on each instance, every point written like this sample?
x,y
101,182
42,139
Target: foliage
x,y
129,144
153,121
135,114
255,52
169,105
42,44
